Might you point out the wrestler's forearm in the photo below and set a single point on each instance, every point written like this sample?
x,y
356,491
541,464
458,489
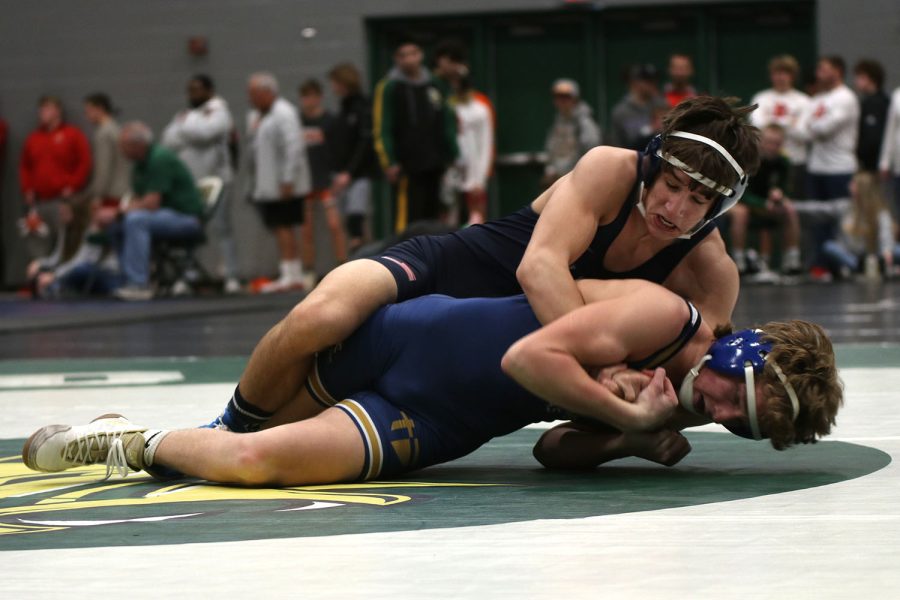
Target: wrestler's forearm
x,y
558,378
549,287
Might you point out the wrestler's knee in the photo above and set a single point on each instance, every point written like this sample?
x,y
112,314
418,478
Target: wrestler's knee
x,y
321,315
254,463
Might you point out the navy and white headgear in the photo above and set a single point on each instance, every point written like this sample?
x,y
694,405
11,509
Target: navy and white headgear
x,y
741,353
728,196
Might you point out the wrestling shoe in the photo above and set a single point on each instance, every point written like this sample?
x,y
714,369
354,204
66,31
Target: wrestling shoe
x,y
217,423
111,438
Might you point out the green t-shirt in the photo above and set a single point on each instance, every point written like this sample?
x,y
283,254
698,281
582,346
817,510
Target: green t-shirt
x,y
163,172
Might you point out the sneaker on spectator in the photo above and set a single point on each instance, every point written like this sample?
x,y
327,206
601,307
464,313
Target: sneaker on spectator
x,y
310,280
232,286
133,293
181,288
820,275
763,273
282,284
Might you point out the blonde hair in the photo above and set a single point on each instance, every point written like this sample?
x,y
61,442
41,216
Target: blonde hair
x,y
786,63
868,204
804,353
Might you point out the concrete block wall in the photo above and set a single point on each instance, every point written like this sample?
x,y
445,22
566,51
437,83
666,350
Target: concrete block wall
x,y
137,52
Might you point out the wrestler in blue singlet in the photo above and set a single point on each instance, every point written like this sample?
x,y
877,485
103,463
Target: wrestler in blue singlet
x,y
481,260
422,379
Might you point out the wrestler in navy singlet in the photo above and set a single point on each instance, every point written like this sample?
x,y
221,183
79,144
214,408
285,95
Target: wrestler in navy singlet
x,y
423,383
481,260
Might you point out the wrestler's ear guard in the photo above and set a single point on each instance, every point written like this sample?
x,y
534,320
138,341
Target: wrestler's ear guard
x,y
652,161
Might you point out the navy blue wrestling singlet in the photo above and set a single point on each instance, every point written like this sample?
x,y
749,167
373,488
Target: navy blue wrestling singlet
x,y
423,384
481,260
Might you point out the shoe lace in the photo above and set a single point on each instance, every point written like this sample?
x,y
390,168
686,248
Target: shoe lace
x,y
116,460
85,451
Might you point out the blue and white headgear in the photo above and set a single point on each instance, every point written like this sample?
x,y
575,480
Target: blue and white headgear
x,y
728,196
741,353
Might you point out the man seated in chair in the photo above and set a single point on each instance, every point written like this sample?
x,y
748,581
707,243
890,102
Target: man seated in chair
x,y
165,205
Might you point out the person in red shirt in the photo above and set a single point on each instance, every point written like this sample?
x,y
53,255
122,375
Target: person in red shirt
x,y
54,167
681,72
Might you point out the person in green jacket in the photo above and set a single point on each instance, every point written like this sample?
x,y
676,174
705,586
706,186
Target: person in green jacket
x,y
415,135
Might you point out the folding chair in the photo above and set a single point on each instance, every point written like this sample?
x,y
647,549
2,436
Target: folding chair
x,y
176,267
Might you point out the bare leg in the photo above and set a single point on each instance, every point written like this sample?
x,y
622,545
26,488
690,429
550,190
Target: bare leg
x,y
287,245
791,226
324,449
307,234
300,408
740,216
333,217
333,310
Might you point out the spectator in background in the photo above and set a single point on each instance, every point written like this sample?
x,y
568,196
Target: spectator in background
x,y
637,116
200,136
355,160
318,136
681,72
110,182
833,125
572,133
866,235
787,107
415,135
766,204
475,135
868,79
889,163
53,169
110,179
165,205
281,176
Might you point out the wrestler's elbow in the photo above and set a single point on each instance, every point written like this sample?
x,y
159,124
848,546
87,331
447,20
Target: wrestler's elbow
x,y
528,272
517,360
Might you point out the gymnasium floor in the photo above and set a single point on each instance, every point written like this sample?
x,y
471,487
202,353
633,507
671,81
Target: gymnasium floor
x,y
735,519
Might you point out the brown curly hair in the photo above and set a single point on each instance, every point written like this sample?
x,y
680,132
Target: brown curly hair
x,y
719,119
805,355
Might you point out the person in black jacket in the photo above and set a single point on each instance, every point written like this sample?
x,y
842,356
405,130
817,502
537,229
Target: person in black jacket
x,y
873,104
354,153
415,135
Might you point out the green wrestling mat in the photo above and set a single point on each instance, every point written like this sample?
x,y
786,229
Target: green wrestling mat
x,y
500,483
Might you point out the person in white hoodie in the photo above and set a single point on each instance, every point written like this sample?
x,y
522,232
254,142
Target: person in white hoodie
x,y
889,162
280,170
787,107
199,135
833,126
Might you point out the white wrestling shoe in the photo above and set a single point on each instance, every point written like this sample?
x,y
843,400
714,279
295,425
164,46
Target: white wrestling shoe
x,y
109,438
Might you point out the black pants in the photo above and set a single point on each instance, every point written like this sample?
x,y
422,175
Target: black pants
x,y
417,197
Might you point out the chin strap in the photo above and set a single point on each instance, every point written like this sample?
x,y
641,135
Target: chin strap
x,y
686,391
751,396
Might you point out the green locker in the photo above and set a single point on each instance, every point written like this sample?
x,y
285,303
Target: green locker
x,y
528,56
747,37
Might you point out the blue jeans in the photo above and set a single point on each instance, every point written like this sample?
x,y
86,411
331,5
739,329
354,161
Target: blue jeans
x,y
140,228
837,255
